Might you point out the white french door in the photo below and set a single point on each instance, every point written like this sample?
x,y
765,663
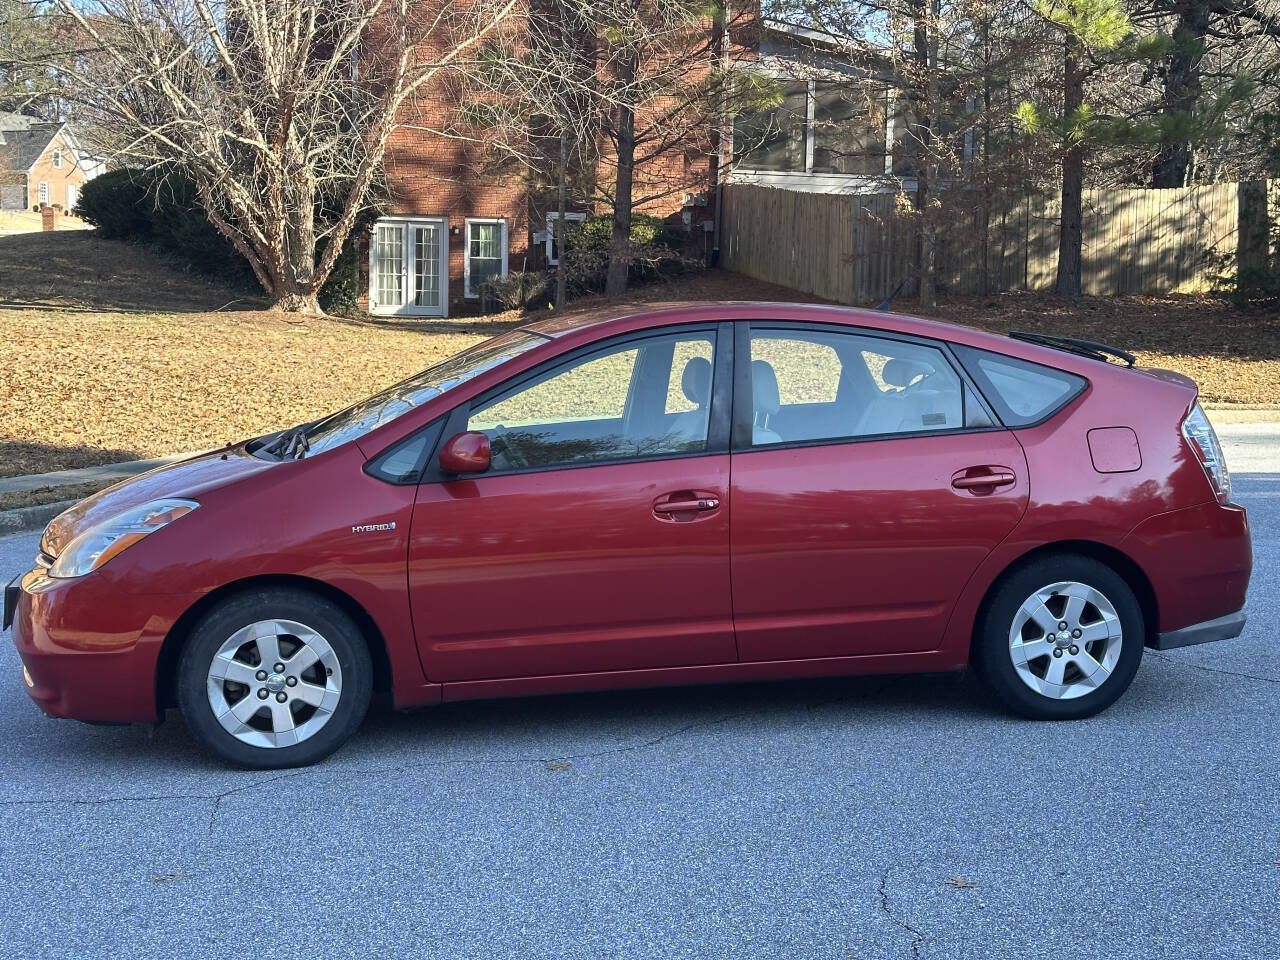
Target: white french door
x,y
409,266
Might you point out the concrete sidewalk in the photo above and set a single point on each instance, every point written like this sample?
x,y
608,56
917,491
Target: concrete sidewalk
x,y
71,478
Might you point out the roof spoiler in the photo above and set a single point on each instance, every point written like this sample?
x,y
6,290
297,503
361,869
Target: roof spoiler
x,y
1085,348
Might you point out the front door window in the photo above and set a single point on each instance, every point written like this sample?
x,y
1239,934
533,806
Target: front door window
x,y
642,399
408,267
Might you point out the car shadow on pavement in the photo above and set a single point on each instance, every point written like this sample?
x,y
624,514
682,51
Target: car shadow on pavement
x,y
575,726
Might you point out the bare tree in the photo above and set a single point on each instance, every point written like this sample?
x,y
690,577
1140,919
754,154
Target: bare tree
x,y
926,60
279,110
637,90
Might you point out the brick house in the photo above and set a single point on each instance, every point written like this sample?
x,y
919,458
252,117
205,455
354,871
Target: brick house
x,y
41,164
450,225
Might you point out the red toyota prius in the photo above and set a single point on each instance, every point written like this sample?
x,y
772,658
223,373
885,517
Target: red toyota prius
x,y
690,494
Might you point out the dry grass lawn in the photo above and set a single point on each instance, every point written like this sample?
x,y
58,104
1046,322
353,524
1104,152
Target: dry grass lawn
x,y
108,353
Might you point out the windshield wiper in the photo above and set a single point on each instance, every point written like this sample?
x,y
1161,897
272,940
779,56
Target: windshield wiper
x,y
291,444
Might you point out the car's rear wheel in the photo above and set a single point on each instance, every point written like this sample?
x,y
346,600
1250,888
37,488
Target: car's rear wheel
x,y
274,678
1060,638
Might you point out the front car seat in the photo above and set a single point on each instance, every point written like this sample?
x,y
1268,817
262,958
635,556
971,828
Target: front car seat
x,y
690,428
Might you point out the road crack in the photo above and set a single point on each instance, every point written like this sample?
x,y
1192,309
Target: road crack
x,y
917,938
1196,666
215,798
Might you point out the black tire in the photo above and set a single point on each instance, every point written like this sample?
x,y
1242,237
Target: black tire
x,y
322,616
991,643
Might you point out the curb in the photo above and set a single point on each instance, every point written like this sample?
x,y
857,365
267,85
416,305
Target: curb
x,y
106,471
27,519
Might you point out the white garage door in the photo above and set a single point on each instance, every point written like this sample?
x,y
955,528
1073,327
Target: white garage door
x,y
12,196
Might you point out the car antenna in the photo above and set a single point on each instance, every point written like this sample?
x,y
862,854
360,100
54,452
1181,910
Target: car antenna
x,y
884,304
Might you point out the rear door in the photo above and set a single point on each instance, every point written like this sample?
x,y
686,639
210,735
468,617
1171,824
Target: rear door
x,y
599,538
869,481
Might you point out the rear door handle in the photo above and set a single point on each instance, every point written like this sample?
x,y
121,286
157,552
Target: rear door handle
x,y
686,506
995,477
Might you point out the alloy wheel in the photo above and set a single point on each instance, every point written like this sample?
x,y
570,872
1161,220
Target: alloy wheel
x,y
1065,640
274,683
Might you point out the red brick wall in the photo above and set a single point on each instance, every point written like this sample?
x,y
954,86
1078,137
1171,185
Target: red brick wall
x,y
56,178
433,175
429,174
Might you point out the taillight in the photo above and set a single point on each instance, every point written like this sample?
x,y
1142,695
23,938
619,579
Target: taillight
x,y
1199,434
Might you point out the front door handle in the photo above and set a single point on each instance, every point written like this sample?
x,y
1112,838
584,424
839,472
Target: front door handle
x,y
989,477
686,506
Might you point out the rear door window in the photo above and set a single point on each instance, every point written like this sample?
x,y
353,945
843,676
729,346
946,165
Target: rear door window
x,y
1022,392
815,385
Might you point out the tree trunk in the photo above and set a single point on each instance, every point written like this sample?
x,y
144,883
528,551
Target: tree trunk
x,y
984,214
924,95
1070,235
298,301
561,251
620,243
1182,91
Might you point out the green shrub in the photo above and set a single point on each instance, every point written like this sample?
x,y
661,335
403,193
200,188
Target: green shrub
x,y
162,207
340,293
655,252
117,204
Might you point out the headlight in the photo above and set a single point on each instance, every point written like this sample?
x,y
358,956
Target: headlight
x,y
91,549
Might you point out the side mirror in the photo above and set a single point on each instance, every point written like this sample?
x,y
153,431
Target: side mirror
x,y
465,453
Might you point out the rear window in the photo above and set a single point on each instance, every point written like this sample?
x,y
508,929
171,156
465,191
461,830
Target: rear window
x,y
1022,392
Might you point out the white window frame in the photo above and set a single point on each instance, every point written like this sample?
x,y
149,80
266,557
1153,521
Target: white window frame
x,y
72,196
57,159
409,308
550,239
466,252
42,193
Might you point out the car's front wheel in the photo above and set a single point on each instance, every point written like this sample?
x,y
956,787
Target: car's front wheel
x,y
274,678
1060,638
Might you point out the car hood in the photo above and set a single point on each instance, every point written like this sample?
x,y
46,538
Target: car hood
x,y
186,478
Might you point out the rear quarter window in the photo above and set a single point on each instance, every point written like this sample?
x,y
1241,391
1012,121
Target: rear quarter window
x,y
1022,392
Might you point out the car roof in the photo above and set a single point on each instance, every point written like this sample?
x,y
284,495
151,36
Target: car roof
x,y
639,316
593,324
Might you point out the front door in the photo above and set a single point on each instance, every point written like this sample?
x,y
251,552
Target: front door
x,y
870,485
599,538
409,267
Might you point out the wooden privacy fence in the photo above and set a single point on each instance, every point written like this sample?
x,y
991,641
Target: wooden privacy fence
x,y
858,248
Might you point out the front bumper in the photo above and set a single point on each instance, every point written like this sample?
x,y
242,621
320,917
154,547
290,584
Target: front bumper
x,y
89,649
1219,628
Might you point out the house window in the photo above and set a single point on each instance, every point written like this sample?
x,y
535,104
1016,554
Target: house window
x,y
485,255
818,127
552,247
409,266
774,139
57,159
848,129
42,192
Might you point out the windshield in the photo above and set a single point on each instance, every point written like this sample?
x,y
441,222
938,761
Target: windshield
x,y
367,415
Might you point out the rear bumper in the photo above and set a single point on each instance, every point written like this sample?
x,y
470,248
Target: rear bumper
x,y
1198,561
88,650
1219,628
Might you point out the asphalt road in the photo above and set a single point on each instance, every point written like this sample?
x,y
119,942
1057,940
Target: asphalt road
x,y
849,818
